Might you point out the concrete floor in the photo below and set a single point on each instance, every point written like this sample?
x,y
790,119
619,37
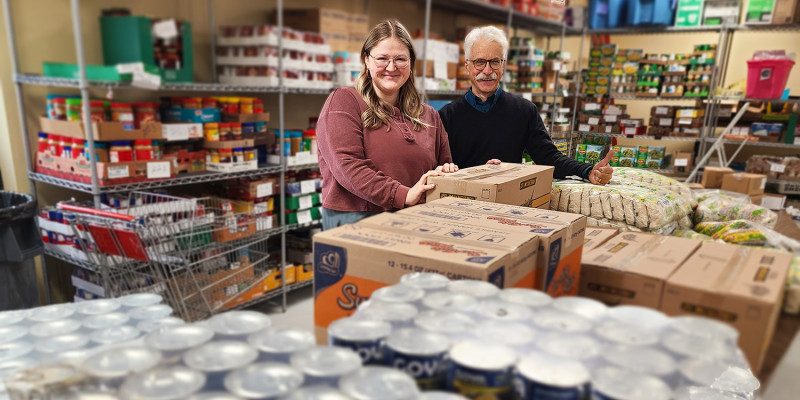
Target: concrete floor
x,y
783,383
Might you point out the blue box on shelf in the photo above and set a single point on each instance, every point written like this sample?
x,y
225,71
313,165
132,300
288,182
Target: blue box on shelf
x,y
604,14
201,115
650,12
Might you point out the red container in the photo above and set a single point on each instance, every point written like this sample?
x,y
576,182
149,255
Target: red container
x,y
766,79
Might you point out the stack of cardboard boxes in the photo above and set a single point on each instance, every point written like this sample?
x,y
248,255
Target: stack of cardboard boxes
x,y
343,31
746,183
441,67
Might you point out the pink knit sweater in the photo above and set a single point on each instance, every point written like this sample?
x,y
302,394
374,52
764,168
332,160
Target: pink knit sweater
x,y
372,170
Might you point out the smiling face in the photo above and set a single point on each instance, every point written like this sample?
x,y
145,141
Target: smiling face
x,y
485,81
388,80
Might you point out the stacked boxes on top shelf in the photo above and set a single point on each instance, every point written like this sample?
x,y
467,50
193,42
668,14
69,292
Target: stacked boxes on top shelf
x,y
525,65
601,61
764,122
595,117
441,68
303,197
554,70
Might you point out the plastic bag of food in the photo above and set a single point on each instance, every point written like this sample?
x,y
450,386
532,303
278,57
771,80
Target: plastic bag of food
x,y
690,234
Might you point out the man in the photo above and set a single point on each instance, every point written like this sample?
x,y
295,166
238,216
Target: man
x,y
488,125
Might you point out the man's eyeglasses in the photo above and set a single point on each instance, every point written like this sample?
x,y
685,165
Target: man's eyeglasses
x,y
400,62
480,63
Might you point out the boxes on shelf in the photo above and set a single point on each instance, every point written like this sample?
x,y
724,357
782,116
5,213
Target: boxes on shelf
x,y
303,202
508,183
632,268
713,176
442,59
786,12
79,169
322,20
682,161
759,11
304,216
721,12
101,131
745,183
738,285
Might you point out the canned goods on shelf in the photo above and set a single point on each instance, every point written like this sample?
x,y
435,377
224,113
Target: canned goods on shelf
x,y
178,338
701,371
695,346
214,395
103,321
115,334
626,334
13,350
572,346
642,359
420,354
55,328
101,306
557,321
155,311
363,336
437,395
498,310
699,326
57,344
481,369
643,317
587,308
325,364
398,294
447,322
279,343
512,334
220,356
319,392
394,313
150,325
12,332
52,313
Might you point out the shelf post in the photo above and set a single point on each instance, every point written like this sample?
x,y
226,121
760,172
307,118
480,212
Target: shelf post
x,y
281,95
577,89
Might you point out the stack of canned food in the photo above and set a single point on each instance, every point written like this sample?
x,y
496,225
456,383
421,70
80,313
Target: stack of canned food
x,y
424,338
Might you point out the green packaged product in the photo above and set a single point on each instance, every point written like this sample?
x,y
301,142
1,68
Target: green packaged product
x,y
593,153
580,155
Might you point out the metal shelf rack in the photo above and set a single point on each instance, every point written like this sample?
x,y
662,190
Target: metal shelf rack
x,y
756,144
619,135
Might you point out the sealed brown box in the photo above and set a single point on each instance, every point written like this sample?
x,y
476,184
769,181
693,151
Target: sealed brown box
x,y
358,24
682,161
786,12
744,182
739,285
261,117
663,111
632,267
228,144
322,20
352,261
561,235
597,235
712,176
102,131
337,41
506,183
452,69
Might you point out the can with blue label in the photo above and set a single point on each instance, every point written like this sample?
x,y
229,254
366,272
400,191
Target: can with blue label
x,y
540,376
481,370
420,354
364,336
612,383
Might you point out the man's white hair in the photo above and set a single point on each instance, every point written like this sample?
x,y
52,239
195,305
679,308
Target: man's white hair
x,y
490,33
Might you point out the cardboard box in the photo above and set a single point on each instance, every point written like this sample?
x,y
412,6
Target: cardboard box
x,y
229,144
743,182
452,69
79,169
261,117
507,183
632,267
712,176
769,200
352,261
682,161
305,272
561,235
358,24
103,131
337,41
663,111
322,20
739,285
596,235
786,12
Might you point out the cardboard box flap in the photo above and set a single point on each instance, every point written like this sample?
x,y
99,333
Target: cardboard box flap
x,y
493,174
544,228
595,236
642,253
484,207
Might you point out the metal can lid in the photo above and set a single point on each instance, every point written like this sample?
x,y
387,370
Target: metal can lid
x,y
643,359
120,362
178,337
482,356
105,320
499,310
508,333
239,322
642,317
150,325
8,318
214,396
398,294
437,395
326,361
100,306
414,341
479,289
445,321
695,346
61,343
55,328
525,297
12,332
140,299
163,384
587,308
561,322
319,392
359,330
624,384
389,312
552,370
700,326
574,346
618,332
373,383
263,380
702,371
737,380
450,301
425,280
10,367
154,311
52,312
115,334
220,356
282,340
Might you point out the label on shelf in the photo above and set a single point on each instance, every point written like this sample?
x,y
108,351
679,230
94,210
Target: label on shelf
x,y
584,128
662,110
156,170
685,121
260,208
681,162
631,130
166,29
231,290
779,168
304,217
309,186
305,202
264,190
611,118
176,132
763,183
592,106
594,121
665,122
118,171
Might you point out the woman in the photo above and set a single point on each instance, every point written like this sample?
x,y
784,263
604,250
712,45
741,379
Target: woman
x,y
378,143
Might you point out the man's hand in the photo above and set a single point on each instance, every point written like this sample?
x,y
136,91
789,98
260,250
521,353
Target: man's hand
x,y
601,173
415,193
493,161
447,168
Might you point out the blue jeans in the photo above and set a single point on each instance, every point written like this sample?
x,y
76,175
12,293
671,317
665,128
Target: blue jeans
x,y
332,218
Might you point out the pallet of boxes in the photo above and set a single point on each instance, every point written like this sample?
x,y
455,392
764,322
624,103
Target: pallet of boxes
x,y
489,223
440,67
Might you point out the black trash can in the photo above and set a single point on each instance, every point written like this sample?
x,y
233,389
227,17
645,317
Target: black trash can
x,y
20,242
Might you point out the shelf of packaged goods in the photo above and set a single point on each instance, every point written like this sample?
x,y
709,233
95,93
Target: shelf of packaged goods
x,y
784,182
788,101
200,177
768,27
444,92
69,259
653,29
303,167
759,144
312,224
618,135
272,294
31,79
543,94
623,96
498,13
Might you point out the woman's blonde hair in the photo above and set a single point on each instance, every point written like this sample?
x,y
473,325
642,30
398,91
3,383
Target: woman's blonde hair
x,y
409,101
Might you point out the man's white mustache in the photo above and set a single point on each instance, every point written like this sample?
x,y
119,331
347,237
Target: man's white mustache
x,y
484,76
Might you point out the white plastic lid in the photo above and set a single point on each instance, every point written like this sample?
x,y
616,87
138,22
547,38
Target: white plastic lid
x,y
642,317
154,311
179,337
326,361
239,322
12,317
384,383
150,325
557,321
103,321
450,301
417,342
482,356
358,330
119,362
11,333
621,384
220,356
62,343
55,328
282,340
587,308
621,333
479,289
507,333
389,312
567,345
263,380
525,297
140,300
52,313
552,370
398,294
425,280
449,322
642,359
115,334
100,306
163,384
498,310
696,346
